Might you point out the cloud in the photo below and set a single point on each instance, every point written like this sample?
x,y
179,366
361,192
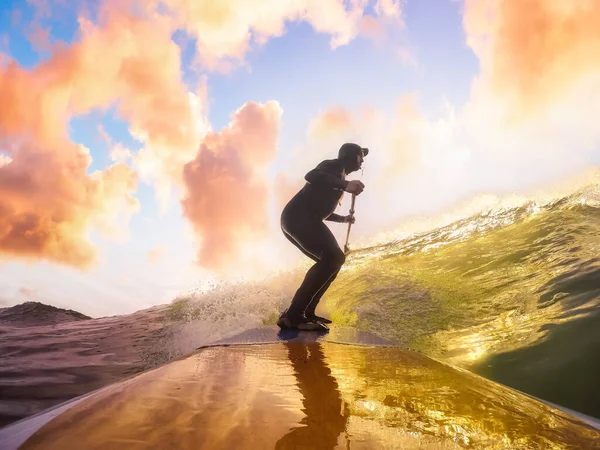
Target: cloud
x,y
387,30
140,74
536,57
406,138
43,8
394,138
48,203
119,153
225,31
156,254
142,67
226,187
39,37
284,188
372,28
144,73
388,8
529,118
162,165
333,121
4,159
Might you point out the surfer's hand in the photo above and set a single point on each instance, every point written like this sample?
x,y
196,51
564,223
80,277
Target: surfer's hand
x,y
355,187
349,219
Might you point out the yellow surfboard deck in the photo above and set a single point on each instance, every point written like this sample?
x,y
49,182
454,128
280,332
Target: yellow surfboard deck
x,y
305,391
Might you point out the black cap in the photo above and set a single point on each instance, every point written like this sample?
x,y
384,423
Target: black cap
x,y
351,149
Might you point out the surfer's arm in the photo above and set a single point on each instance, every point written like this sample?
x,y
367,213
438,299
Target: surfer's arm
x,y
333,217
327,173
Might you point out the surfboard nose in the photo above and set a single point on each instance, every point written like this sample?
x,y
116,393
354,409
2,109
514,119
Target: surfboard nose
x,y
320,394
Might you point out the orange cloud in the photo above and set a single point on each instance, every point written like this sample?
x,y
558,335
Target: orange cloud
x,y
226,188
48,202
333,121
534,50
144,73
141,70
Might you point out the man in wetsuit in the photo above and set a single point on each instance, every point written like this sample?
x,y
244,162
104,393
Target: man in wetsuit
x,y
302,224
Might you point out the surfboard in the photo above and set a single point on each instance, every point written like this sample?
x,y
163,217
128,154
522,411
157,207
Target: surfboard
x,y
273,334
272,389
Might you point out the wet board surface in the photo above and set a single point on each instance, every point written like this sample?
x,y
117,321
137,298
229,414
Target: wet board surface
x,y
308,391
273,334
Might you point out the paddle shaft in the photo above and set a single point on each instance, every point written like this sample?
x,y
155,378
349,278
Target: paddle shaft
x,y
346,249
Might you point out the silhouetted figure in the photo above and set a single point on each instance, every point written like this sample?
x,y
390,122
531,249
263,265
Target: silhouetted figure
x,y
302,224
325,412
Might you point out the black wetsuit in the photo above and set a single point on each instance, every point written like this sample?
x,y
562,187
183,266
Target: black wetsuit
x,y
302,223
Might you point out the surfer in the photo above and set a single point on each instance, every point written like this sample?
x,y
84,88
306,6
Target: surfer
x,y
302,224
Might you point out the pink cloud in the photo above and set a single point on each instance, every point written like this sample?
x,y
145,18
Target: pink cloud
x,y
226,187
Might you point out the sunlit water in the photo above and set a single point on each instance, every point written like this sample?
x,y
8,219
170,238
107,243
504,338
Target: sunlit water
x,y
510,294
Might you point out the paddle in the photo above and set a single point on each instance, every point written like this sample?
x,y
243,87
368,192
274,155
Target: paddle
x,y
346,248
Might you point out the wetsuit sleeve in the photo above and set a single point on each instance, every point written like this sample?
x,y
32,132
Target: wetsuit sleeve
x,y
333,217
327,173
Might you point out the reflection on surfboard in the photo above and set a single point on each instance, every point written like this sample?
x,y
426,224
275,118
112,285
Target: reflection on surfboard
x,y
326,414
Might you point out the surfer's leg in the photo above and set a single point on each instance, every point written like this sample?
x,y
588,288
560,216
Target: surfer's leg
x,y
312,306
293,241
316,239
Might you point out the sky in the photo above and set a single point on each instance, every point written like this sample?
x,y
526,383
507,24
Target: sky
x,y
148,147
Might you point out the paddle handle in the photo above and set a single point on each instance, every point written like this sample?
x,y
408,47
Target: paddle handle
x,y
346,248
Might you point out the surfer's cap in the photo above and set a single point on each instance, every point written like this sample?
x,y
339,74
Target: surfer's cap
x,y
351,149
